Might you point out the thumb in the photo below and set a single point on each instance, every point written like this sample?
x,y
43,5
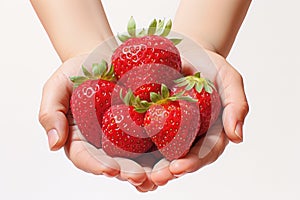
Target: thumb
x,y
53,109
234,101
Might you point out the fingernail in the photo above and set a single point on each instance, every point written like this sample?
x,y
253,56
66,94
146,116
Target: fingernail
x,y
133,182
52,138
181,174
239,131
154,187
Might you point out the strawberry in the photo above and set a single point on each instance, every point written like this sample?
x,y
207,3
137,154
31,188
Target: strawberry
x,y
207,96
143,92
149,74
146,48
90,98
171,122
123,132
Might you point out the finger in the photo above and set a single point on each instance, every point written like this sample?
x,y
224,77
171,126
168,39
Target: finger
x,y
53,109
148,184
131,171
189,163
88,158
161,174
55,102
234,101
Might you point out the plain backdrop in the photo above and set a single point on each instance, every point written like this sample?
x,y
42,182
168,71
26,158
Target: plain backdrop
x,y
265,166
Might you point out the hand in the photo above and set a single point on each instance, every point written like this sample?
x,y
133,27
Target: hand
x,y
62,132
211,146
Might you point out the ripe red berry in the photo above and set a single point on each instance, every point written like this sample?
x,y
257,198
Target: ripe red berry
x,y
172,123
204,91
90,99
123,132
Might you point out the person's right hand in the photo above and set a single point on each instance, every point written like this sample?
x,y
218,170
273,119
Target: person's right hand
x,y
62,132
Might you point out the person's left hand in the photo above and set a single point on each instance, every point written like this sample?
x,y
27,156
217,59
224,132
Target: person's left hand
x,y
228,126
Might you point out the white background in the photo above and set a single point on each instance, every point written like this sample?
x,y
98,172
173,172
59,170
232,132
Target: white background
x,y
265,166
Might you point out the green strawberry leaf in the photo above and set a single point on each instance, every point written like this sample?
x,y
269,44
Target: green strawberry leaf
x,y
128,97
142,33
164,91
121,95
179,94
190,85
184,83
180,80
160,27
123,38
140,110
103,67
199,87
96,69
167,29
131,28
154,97
152,27
110,72
207,88
86,72
175,41
78,80
145,103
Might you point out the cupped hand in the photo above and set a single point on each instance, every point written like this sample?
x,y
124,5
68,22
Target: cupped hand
x,y
63,132
229,126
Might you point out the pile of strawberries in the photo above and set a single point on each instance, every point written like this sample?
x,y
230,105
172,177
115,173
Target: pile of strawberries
x,y
141,102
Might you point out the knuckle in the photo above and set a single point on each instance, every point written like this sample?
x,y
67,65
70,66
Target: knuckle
x,y
43,117
245,107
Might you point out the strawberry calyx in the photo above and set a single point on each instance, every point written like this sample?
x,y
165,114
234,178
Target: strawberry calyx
x,y
140,106
99,71
156,27
165,96
197,82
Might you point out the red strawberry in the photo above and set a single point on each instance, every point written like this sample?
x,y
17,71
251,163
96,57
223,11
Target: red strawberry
x,y
146,48
172,123
123,132
207,96
89,100
84,112
143,92
149,74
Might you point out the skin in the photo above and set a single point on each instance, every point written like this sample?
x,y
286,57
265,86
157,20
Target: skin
x,y
77,27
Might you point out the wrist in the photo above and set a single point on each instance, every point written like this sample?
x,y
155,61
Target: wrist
x,y
84,44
